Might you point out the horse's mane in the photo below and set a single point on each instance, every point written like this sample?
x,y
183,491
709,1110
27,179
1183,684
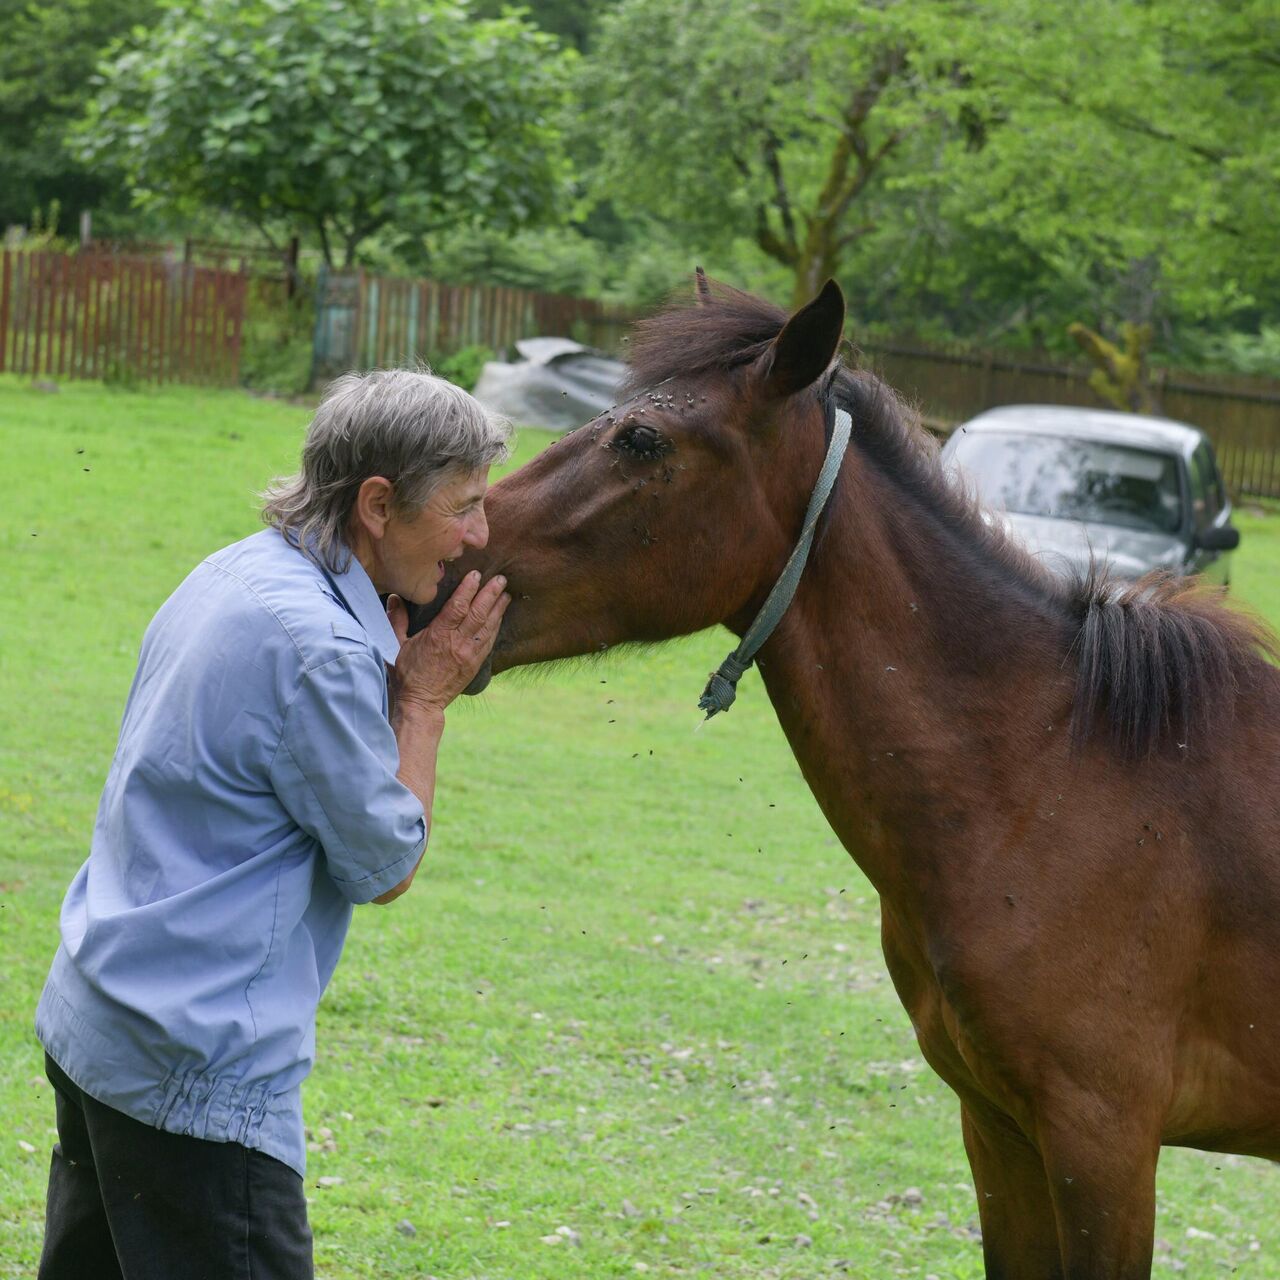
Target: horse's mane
x,y
731,330
1158,661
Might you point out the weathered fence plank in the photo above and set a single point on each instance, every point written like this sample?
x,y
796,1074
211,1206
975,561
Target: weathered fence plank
x,y
92,315
365,321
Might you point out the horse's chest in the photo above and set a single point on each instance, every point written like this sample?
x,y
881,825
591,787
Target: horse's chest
x,y
946,1037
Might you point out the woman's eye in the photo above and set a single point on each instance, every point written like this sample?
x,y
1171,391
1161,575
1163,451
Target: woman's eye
x,y
644,442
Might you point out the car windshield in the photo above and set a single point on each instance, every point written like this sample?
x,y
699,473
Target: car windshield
x,y
1041,475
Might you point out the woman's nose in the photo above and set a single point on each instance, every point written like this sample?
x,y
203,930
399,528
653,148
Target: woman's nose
x,y
477,533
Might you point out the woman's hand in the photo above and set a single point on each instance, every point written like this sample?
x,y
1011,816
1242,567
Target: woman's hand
x,y
438,663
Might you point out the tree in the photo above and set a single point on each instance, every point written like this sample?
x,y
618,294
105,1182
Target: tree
x,y
47,56
777,119
988,166
1137,151
1120,371
1125,166
346,119
572,22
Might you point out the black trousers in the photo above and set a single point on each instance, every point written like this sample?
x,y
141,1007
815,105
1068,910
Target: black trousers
x,y
129,1202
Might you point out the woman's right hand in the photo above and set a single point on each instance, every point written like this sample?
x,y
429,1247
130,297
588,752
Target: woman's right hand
x,y
437,664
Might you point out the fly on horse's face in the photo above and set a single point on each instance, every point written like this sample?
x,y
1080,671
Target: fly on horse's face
x,y
660,517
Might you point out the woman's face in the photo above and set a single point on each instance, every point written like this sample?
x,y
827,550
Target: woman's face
x,y
411,554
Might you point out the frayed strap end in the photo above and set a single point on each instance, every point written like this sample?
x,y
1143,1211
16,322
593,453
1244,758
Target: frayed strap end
x,y
722,687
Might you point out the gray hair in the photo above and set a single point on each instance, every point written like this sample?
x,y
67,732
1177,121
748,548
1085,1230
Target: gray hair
x,y
410,426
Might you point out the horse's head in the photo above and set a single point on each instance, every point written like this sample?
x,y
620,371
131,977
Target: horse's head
x,y
676,509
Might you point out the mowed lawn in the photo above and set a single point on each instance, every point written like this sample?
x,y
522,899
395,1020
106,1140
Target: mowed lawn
x,y
633,1016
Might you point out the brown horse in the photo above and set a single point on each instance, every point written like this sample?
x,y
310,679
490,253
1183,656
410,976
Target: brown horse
x,y
1067,796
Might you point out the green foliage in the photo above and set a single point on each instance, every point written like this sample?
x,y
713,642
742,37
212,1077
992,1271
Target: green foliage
x,y
1249,353
572,22
121,375
44,229
994,168
638,266
781,122
276,339
338,119
462,367
984,169
277,362
550,259
1132,150
1125,152
1119,376
47,57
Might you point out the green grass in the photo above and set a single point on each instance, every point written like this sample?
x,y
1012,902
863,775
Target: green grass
x,y
636,991
1255,569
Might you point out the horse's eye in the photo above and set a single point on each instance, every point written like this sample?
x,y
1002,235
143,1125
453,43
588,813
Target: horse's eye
x,y
644,442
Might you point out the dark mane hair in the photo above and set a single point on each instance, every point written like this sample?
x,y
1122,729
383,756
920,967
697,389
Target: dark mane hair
x,y
1158,662
728,331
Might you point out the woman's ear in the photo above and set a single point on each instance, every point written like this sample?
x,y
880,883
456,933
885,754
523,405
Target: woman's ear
x,y
373,506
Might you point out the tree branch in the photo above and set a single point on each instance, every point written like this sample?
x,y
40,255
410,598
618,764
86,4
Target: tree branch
x,y
1133,124
323,229
783,251
782,200
361,231
842,187
862,229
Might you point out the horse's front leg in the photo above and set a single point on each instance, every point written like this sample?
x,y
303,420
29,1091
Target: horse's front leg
x,y
1019,1227
1100,1157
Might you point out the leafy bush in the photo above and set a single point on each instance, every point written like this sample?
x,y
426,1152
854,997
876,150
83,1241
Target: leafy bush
x,y
1250,353
346,117
278,363
462,368
276,340
120,375
42,233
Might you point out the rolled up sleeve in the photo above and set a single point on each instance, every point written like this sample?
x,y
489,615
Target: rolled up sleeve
x,y
335,773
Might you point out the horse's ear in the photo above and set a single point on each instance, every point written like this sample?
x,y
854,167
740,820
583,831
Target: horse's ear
x,y
801,353
702,289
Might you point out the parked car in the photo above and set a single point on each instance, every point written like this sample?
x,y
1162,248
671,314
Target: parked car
x,y
1138,493
554,382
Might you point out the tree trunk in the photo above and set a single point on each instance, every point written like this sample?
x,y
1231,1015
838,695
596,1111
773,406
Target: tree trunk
x,y
1120,374
819,259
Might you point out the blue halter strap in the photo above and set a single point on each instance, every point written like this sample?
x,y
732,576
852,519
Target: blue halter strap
x,y
722,687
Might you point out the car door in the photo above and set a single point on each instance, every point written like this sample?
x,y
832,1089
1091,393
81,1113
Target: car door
x,y
1209,510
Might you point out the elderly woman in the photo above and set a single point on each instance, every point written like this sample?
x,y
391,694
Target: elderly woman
x,y
276,765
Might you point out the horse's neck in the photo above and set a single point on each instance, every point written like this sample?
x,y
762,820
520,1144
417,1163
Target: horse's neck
x,y
904,682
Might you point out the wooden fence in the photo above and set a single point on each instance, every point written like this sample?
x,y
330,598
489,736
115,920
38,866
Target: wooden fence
x,y
94,315
367,322
1241,415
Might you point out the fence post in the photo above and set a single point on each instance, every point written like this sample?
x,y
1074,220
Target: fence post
x,y
291,269
411,337
317,332
984,382
240,295
4,310
1158,384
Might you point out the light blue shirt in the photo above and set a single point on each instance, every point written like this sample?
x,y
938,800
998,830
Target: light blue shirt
x,y
252,800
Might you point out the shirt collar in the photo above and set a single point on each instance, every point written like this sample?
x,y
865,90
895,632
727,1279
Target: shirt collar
x,y
361,597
